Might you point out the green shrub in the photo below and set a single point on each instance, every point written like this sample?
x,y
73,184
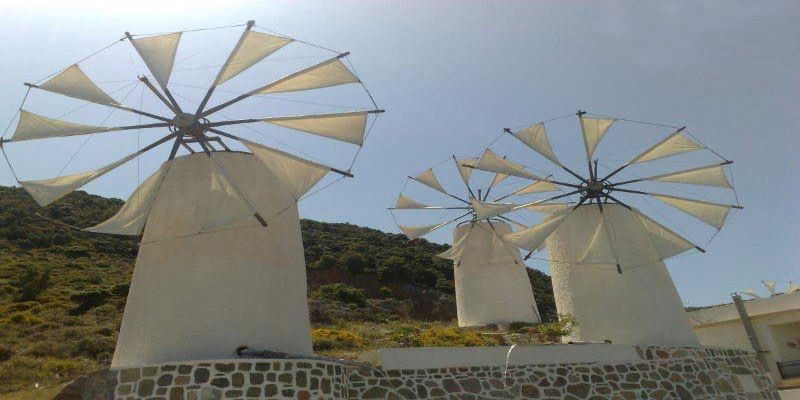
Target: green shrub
x,y
328,339
453,337
553,331
89,299
406,336
6,353
385,291
32,282
355,263
344,293
394,269
327,261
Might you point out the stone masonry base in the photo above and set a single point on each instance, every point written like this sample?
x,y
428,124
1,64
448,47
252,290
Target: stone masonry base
x,y
660,373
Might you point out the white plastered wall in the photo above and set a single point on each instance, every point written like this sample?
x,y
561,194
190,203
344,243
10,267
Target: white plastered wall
x,y
639,306
492,285
202,296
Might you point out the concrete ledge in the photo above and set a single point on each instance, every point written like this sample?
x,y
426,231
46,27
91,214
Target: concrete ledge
x,y
448,357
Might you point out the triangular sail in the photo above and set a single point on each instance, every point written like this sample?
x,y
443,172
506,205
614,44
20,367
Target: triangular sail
x,y
548,208
535,137
711,175
227,204
664,241
348,127
73,82
252,48
413,232
46,191
770,285
428,178
33,126
407,203
601,248
464,166
537,187
593,131
497,179
158,53
674,144
793,287
131,218
325,74
711,213
299,175
491,162
485,209
533,238
456,251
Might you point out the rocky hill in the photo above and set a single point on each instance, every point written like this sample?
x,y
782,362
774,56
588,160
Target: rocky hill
x,y
62,291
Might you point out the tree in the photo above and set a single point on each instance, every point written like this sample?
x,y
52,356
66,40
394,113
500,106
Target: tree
x,y
327,261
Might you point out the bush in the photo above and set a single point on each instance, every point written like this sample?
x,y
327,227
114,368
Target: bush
x,y
385,292
553,331
394,269
453,337
90,299
32,282
328,339
344,293
6,353
355,263
327,261
406,336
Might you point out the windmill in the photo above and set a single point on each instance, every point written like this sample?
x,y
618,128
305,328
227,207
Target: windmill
x,y
606,255
220,262
491,282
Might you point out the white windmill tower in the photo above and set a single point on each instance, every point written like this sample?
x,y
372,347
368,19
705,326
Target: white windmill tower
x,y
606,256
491,281
220,261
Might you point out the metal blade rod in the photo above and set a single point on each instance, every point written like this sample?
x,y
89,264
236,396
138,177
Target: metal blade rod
x,y
430,208
158,94
644,152
546,200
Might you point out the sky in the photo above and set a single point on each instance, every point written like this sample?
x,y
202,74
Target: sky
x,y
451,75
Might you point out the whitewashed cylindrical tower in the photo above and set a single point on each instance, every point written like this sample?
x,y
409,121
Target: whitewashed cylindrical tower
x,y
492,285
236,283
638,306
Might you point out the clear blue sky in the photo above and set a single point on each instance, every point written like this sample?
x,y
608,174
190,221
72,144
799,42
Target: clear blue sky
x,y
452,74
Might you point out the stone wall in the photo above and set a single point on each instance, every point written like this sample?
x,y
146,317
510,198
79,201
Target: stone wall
x,y
661,373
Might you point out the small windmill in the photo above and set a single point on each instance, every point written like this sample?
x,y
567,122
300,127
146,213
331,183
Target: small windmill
x,y
491,282
603,233
221,262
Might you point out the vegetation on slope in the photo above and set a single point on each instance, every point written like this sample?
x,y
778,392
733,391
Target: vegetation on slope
x,y
62,291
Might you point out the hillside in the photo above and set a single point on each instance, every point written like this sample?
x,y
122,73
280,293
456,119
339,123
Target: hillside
x,y
62,291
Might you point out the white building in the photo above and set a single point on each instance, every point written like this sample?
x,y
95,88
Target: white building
x,y
776,323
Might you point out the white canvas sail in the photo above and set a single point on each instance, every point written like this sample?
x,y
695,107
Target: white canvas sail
x,y
674,144
538,187
428,178
299,175
33,126
158,53
407,203
492,162
252,48
593,131
535,137
348,127
131,218
485,209
711,175
328,73
73,82
713,214
533,238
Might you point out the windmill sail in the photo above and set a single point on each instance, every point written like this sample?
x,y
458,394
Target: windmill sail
x,y
538,187
593,131
535,137
490,161
674,144
414,232
325,74
533,238
465,167
407,203
770,285
158,53
484,210
73,82
131,218
428,178
252,48
711,213
33,126
299,175
348,127
711,175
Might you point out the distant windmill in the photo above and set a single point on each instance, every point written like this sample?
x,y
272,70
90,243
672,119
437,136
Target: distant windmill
x,y
491,283
770,285
793,287
752,293
603,233
220,262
